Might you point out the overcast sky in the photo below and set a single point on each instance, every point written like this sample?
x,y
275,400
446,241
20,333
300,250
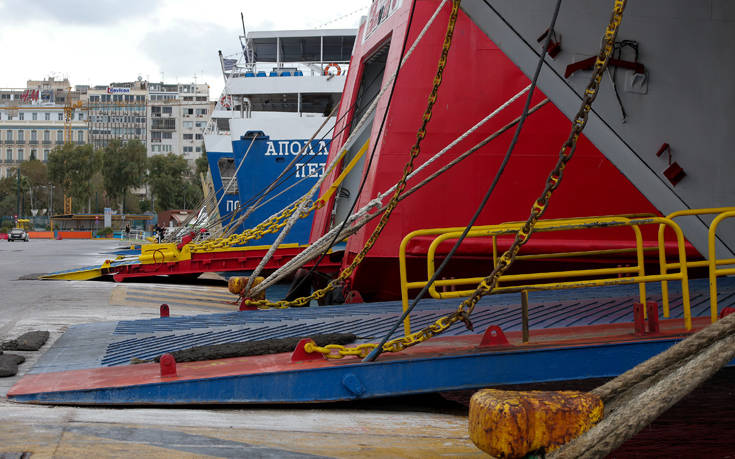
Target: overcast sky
x,y
100,41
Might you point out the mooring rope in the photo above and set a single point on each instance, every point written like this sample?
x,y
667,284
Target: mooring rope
x,y
371,210
348,144
642,394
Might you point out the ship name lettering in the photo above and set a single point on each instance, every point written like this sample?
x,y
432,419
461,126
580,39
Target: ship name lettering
x,y
232,205
293,147
309,170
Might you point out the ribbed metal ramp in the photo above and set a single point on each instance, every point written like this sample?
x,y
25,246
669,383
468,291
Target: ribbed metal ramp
x,y
602,316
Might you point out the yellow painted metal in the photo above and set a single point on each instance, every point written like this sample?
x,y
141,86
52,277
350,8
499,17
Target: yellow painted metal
x,y
559,224
662,252
712,256
169,252
322,201
80,275
236,285
605,276
513,424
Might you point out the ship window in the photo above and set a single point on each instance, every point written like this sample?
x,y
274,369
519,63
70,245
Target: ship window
x,y
227,172
371,81
223,124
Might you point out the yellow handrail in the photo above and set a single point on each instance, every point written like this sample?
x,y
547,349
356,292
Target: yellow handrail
x,y
567,224
713,271
664,265
552,225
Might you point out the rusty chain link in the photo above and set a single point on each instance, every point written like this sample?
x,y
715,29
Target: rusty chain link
x,y
538,208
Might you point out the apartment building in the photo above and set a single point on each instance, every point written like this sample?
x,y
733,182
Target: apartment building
x,y
32,121
117,111
178,114
167,118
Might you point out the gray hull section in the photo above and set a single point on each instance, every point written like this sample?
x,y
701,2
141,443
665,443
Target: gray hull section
x,y
687,99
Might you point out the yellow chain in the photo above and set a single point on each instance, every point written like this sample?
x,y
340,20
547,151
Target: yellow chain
x,y
400,186
272,225
487,285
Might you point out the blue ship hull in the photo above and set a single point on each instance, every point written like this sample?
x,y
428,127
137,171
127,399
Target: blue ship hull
x,y
260,160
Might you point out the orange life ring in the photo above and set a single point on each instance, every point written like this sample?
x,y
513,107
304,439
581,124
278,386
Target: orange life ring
x,y
339,69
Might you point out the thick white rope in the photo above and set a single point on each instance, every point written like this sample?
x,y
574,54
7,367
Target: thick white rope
x,y
467,133
351,227
251,209
348,144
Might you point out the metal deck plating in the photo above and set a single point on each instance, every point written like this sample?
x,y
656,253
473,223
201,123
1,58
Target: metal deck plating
x,y
575,334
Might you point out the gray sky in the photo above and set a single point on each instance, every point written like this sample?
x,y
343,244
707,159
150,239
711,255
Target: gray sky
x,y
100,41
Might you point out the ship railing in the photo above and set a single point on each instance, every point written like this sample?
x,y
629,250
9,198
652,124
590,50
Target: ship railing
x,y
553,280
712,263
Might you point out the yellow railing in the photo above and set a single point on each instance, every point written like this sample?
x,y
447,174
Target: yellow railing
x,y
712,262
638,272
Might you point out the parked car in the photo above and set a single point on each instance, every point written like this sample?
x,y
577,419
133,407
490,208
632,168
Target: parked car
x,y
18,234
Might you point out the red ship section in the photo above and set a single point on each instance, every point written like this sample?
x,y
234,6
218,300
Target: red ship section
x,y
478,78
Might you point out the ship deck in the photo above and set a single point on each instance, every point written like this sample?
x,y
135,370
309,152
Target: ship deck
x,y
574,335
407,426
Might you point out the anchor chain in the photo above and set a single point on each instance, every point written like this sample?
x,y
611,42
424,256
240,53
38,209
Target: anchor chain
x,y
271,225
401,185
486,286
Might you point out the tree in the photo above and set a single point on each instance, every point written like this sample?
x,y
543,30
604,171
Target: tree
x,y
202,164
123,167
36,176
72,167
7,195
172,183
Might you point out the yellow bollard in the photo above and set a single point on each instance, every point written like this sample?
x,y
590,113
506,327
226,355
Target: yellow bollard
x,y
236,284
510,424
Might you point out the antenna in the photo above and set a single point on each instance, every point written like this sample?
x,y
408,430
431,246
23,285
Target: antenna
x,y
242,19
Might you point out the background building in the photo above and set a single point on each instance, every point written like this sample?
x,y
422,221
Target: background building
x,y
32,121
167,118
117,111
178,114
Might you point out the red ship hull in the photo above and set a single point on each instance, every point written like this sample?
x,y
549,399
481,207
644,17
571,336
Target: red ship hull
x,y
478,78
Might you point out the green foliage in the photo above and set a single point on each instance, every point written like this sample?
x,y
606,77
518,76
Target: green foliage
x,y
105,232
123,167
202,164
145,205
7,197
72,167
172,182
36,171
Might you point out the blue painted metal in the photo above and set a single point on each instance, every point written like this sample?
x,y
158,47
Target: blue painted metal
x,y
265,161
262,162
228,202
379,379
118,342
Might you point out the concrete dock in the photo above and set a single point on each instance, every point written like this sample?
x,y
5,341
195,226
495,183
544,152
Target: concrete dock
x,y
423,426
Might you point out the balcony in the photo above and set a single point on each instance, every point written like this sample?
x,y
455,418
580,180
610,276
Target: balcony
x,y
47,142
33,142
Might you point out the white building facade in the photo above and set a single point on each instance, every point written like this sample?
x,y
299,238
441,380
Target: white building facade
x,y
177,117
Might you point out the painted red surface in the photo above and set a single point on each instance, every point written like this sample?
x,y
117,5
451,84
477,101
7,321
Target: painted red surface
x,y
234,260
74,235
478,78
149,373
41,234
